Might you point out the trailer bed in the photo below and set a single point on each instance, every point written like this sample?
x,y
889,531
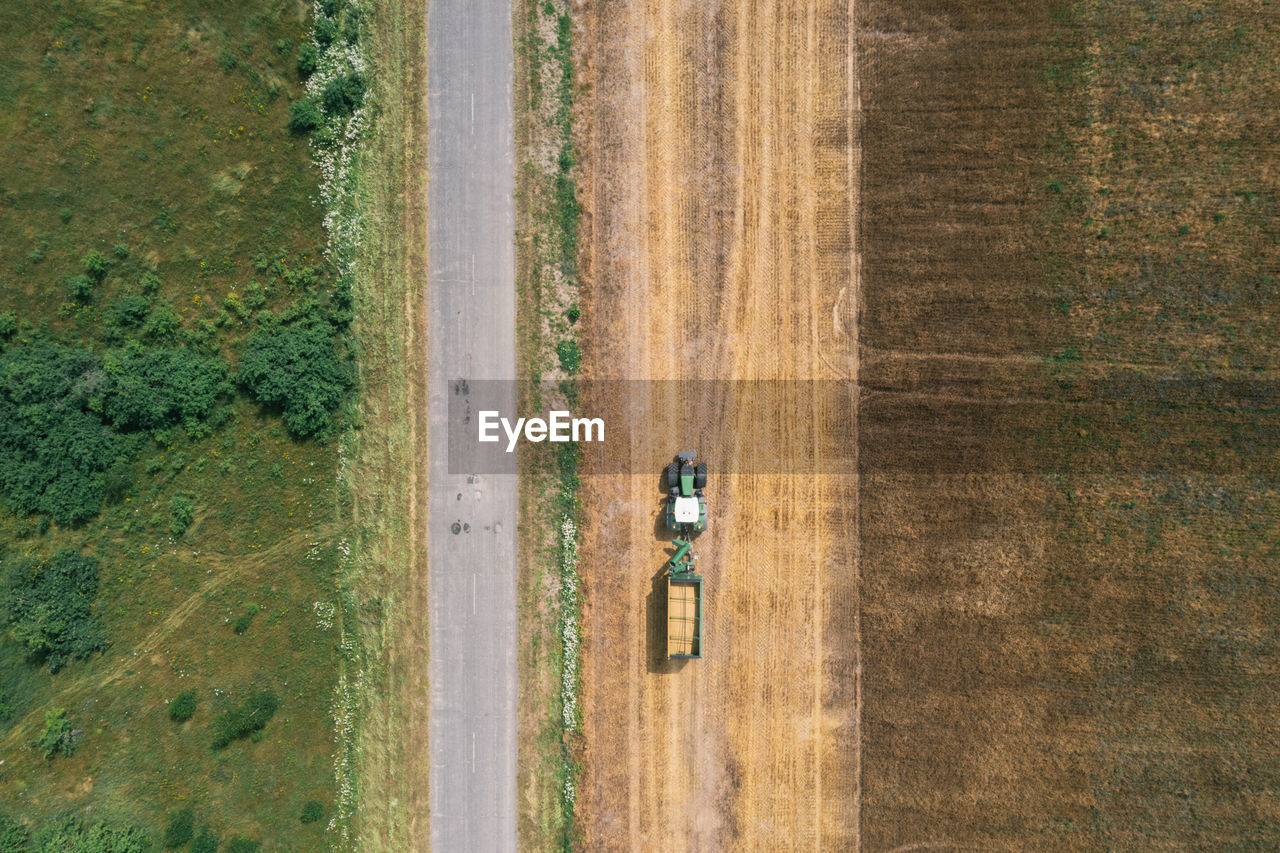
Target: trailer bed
x,y
684,616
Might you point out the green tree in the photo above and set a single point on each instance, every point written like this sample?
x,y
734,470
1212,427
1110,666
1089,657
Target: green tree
x,y
162,325
570,356
296,369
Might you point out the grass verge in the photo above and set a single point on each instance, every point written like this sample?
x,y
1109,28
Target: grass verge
x,y
383,763
549,356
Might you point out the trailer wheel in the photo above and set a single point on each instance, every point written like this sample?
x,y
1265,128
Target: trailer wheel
x,y
673,475
700,476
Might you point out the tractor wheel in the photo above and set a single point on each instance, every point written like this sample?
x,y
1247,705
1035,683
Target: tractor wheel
x,y
673,475
700,476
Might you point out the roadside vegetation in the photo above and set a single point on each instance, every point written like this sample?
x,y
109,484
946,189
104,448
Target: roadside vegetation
x,y
175,300
549,355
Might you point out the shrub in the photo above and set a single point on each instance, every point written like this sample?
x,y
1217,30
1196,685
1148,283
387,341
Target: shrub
x,y
573,313
65,215
58,736
162,326
249,716
149,282
243,845
343,94
181,513
96,264
181,828
570,356
308,59
296,369
312,811
304,116
326,31
48,605
244,620
120,250
206,842
227,61
80,288
128,312
183,706
8,324
284,47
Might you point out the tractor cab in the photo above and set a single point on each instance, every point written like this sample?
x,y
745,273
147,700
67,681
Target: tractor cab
x,y
686,505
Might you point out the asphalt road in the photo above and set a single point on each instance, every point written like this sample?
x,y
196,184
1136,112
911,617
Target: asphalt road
x,y
472,518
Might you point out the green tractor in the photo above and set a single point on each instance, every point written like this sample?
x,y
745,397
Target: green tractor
x,y
686,505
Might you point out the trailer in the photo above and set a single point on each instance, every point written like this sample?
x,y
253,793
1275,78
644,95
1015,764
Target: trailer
x,y
684,605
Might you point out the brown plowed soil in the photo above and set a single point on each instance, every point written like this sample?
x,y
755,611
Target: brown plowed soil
x,y
719,196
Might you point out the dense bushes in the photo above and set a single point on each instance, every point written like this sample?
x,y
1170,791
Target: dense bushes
x,y
13,835
249,716
71,836
48,605
296,369
160,387
53,447
65,415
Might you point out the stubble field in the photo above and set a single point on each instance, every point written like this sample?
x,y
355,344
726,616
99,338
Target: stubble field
x,y
1038,243
720,168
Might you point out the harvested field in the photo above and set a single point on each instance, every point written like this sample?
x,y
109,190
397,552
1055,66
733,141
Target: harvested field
x,y
1066,515
720,186
1037,613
